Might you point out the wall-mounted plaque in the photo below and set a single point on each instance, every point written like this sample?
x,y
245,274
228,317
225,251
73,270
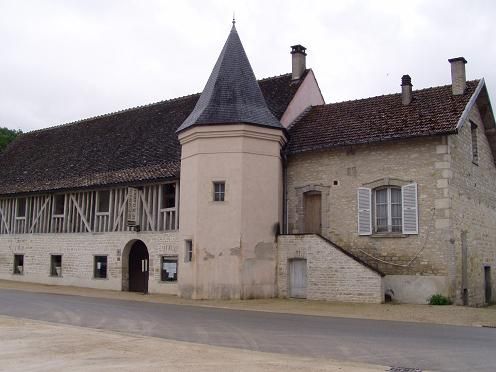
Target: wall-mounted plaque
x,y
132,206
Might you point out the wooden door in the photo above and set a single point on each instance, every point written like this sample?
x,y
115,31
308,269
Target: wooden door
x,y
313,213
298,278
487,283
138,268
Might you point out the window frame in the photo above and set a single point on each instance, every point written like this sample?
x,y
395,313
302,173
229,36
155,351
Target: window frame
x,y
95,264
98,212
474,144
389,209
24,216
53,266
164,208
162,261
54,207
16,270
188,250
219,195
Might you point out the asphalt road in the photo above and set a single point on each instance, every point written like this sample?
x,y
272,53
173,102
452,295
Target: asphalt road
x,y
400,344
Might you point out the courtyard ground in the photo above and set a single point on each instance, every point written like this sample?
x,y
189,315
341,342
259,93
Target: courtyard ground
x,y
27,345
453,315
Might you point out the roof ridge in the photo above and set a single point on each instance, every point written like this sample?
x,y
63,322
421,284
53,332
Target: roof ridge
x,y
79,121
111,113
274,77
391,94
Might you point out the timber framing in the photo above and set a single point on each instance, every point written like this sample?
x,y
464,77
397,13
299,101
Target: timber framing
x,y
81,215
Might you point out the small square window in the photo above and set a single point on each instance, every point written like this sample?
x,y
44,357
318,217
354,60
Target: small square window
x,y
56,265
103,201
59,205
168,269
100,267
21,208
18,264
168,195
188,250
219,191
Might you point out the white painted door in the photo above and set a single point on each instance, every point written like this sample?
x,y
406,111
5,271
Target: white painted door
x,y
298,278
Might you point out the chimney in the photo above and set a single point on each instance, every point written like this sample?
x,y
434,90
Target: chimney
x,y
406,89
298,60
458,79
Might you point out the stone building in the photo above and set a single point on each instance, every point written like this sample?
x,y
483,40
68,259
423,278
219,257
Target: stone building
x,y
258,189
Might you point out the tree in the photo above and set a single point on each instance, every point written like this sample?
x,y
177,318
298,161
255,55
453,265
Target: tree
x,y
7,136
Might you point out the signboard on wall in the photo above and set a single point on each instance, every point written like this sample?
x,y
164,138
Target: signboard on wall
x,y
132,206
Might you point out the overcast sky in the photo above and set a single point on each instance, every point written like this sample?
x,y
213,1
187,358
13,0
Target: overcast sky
x,y
62,61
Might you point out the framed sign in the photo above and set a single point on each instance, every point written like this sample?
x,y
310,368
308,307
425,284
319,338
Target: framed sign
x,y
132,206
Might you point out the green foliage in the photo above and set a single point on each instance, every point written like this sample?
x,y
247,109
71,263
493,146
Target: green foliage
x,y
439,299
7,136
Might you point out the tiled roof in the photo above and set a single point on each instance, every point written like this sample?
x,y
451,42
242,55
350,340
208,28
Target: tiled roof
x,y
433,111
232,94
134,145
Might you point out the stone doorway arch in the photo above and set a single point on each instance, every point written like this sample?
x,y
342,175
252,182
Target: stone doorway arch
x,y
135,267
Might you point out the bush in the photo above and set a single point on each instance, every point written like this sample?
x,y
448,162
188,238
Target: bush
x,y
439,299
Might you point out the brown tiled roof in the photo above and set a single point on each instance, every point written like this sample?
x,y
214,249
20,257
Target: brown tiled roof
x,y
134,145
433,111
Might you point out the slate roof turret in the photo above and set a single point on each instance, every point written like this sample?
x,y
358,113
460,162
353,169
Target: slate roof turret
x,y
232,94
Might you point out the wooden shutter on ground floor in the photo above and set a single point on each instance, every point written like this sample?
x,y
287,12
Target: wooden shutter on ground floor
x,y
364,196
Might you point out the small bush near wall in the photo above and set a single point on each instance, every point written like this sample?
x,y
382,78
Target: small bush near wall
x,y
439,299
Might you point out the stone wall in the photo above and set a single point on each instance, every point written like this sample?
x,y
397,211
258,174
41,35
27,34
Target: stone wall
x,y
340,172
473,200
331,274
77,252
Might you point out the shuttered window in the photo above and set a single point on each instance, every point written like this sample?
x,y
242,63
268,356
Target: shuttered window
x,y
388,209
410,209
364,211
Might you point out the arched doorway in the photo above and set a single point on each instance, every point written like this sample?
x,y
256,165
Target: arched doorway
x,y
138,267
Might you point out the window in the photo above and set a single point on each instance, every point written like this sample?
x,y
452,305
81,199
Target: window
x,y
169,195
58,205
168,269
100,267
21,208
388,209
475,150
219,191
103,206
56,265
18,264
188,251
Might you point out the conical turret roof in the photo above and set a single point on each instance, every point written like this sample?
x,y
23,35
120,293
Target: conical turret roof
x,y
232,93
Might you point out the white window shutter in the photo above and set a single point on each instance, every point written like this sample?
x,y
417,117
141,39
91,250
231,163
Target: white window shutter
x,y
410,209
364,211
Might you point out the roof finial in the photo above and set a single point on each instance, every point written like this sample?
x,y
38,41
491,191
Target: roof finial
x,y
234,19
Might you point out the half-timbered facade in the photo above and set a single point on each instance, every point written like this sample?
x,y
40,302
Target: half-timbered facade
x,y
258,189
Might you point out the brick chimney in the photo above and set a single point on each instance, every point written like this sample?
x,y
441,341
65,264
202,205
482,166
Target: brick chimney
x,y
458,78
406,89
299,62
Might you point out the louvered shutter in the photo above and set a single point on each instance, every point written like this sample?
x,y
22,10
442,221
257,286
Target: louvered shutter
x,y
364,211
410,210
